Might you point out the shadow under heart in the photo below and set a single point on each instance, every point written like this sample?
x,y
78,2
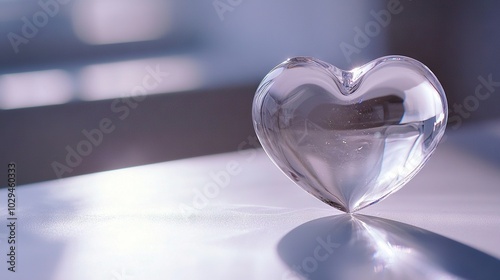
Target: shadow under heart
x,y
365,247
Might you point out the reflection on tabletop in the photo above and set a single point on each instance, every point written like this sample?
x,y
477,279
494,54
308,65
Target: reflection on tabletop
x,y
365,247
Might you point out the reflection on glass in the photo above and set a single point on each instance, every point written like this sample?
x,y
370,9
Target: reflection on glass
x,y
364,247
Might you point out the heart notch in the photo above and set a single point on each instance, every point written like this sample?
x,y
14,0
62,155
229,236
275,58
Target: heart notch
x,y
350,138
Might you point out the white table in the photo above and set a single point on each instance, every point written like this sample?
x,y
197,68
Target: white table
x,y
132,223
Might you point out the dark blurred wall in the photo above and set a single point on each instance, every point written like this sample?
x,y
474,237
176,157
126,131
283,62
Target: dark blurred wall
x,y
460,42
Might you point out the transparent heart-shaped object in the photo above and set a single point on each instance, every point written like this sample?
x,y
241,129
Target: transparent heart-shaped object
x,y
350,138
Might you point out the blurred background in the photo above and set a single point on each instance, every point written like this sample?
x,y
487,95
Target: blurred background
x,y
93,85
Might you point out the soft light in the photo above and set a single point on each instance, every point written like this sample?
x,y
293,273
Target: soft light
x,y
99,22
37,88
149,76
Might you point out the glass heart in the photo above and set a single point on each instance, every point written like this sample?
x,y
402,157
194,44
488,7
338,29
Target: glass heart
x,y
350,138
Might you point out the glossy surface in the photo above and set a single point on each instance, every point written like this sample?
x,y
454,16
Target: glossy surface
x,y
350,138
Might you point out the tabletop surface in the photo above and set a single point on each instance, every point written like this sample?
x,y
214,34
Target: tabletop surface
x,y
236,216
